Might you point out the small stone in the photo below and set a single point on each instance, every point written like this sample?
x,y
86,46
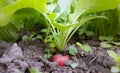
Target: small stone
x,y
14,52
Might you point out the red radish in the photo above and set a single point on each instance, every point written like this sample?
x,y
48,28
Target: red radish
x,y
60,59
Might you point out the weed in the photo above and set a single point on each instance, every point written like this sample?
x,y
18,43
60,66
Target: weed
x,y
32,70
116,57
84,47
72,50
48,54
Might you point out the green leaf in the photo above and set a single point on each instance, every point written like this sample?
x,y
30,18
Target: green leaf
x,y
49,39
73,4
105,45
32,70
78,25
91,6
40,37
47,56
10,31
52,45
116,43
25,38
64,6
114,55
80,45
57,37
84,47
106,38
87,48
4,3
72,50
89,33
51,7
64,9
88,18
13,13
82,30
61,26
52,16
7,11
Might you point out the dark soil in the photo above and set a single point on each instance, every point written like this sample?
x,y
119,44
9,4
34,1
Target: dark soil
x,y
20,57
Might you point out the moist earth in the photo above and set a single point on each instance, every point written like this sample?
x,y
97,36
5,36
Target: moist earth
x,y
21,56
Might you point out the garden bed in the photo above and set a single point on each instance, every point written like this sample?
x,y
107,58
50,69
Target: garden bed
x,y
20,57
40,29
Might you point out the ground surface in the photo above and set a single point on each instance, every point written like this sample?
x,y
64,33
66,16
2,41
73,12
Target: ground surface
x,y
20,57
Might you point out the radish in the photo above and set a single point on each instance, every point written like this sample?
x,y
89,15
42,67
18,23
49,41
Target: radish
x,y
60,59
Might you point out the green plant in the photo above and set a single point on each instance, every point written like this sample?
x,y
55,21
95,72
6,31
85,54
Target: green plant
x,y
108,42
66,17
98,26
65,24
48,38
72,50
84,30
48,54
28,38
116,57
85,47
32,70
13,13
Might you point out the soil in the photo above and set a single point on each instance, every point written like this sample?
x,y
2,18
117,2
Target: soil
x,y
21,56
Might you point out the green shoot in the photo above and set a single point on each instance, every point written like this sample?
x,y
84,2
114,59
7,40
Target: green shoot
x,y
116,57
65,18
72,50
32,70
48,53
84,47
